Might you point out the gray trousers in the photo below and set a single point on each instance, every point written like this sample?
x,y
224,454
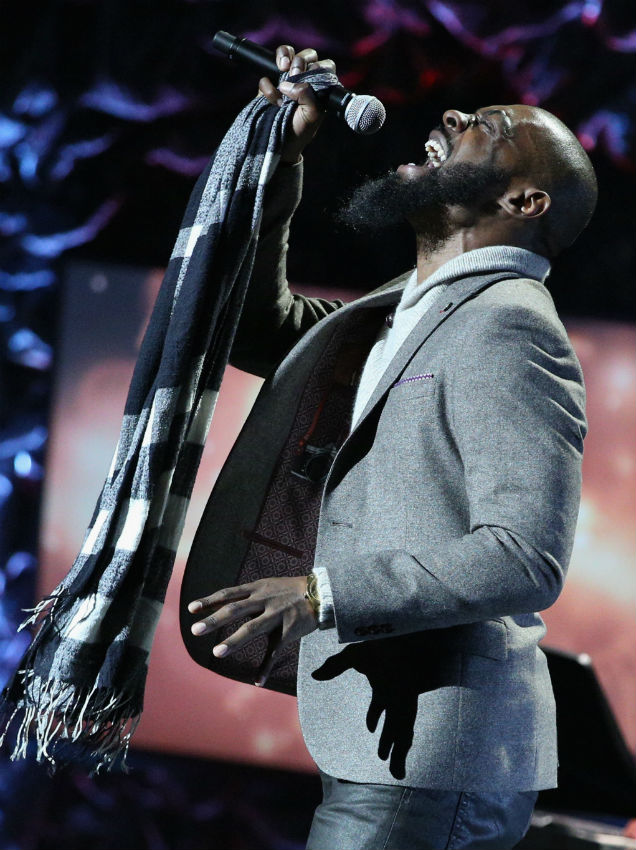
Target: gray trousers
x,y
393,817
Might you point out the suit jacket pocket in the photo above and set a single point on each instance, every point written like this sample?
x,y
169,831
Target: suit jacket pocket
x,y
488,639
421,385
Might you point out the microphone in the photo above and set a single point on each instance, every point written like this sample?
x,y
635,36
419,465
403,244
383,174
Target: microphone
x,y
364,113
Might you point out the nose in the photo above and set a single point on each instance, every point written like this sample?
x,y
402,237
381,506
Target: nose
x,y
456,121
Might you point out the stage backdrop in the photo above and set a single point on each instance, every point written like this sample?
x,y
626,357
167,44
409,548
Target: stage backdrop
x,y
189,710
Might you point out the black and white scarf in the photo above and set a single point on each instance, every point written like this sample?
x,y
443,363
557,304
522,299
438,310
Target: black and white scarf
x,y
79,688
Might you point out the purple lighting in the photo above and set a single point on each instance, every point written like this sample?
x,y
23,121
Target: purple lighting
x,y
591,12
622,43
606,128
173,161
121,102
494,42
26,348
85,149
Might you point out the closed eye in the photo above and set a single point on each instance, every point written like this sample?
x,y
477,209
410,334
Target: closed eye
x,y
484,122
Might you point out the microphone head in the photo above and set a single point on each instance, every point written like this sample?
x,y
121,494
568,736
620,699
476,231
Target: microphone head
x,y
365,114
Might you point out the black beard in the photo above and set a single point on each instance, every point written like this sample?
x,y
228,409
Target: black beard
x,y
386,201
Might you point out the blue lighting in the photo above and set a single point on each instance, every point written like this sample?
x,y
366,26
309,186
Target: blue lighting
x,y
18,563
113,99
27,161
5,168
54,244
6,488
611,129
31,441
23,464
29,350
10,131
24,281
35,101
80,150
11,223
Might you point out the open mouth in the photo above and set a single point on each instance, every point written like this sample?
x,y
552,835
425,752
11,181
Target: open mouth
x,y
437,149
436,154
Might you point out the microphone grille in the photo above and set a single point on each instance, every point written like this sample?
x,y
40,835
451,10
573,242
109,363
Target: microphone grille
x,y
365,114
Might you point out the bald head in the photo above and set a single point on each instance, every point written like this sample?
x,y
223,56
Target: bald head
x,y
555,161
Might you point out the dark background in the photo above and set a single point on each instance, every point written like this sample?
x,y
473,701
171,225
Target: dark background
x,y
108,111
118,104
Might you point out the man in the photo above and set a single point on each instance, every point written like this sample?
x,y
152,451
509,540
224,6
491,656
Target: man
x,y
447,517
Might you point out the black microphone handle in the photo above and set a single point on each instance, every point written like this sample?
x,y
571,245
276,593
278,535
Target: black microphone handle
x,y
335,98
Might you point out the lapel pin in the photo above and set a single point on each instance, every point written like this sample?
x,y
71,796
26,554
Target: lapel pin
x,y
447,307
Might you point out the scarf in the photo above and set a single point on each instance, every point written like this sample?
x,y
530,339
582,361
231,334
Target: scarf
x,y
78,691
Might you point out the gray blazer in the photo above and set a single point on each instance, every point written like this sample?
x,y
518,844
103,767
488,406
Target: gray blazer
x,y
446,522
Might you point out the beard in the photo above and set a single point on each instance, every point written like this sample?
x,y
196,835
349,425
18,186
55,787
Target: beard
x,y
387,201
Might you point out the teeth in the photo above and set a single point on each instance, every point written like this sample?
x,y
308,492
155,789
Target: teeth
x,y
436,153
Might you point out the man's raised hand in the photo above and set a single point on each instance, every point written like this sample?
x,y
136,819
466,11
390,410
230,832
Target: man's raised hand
x,y
309,115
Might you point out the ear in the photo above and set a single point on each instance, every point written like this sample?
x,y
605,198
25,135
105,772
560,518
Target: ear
x,y
527,202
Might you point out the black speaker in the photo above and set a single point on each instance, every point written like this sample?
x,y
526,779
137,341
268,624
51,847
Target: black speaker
x,y
597,772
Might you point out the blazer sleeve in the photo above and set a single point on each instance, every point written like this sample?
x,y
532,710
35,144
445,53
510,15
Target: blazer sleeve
x,y
516,402
273,318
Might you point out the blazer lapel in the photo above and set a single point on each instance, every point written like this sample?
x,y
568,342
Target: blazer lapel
x,y
442,307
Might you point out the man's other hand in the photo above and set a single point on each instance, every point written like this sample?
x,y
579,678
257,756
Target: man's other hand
x,y
277,607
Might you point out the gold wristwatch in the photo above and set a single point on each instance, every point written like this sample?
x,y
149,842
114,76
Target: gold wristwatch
x,y
311,593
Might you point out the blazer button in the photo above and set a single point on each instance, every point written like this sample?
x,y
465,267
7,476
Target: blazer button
x,y
388,319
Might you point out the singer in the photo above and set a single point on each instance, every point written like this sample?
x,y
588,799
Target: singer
x,y
443,421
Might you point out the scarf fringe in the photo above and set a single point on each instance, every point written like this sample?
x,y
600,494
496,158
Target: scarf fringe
x,y
43,611
196,314
68,724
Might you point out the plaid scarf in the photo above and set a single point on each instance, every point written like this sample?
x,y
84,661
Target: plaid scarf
x,y
79,688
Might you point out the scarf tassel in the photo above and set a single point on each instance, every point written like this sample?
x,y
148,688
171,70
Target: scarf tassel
x,y
68,724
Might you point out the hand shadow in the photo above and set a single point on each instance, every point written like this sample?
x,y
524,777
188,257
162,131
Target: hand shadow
x,y
398,670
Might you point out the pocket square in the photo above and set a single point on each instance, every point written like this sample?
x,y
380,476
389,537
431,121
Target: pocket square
x,y
412,378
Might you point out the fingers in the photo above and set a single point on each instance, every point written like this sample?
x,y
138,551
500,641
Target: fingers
x,y
275,606
302,60
243,635
304,96
284,55
302,93
226,615
295,63
269,91
288,60
227,594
